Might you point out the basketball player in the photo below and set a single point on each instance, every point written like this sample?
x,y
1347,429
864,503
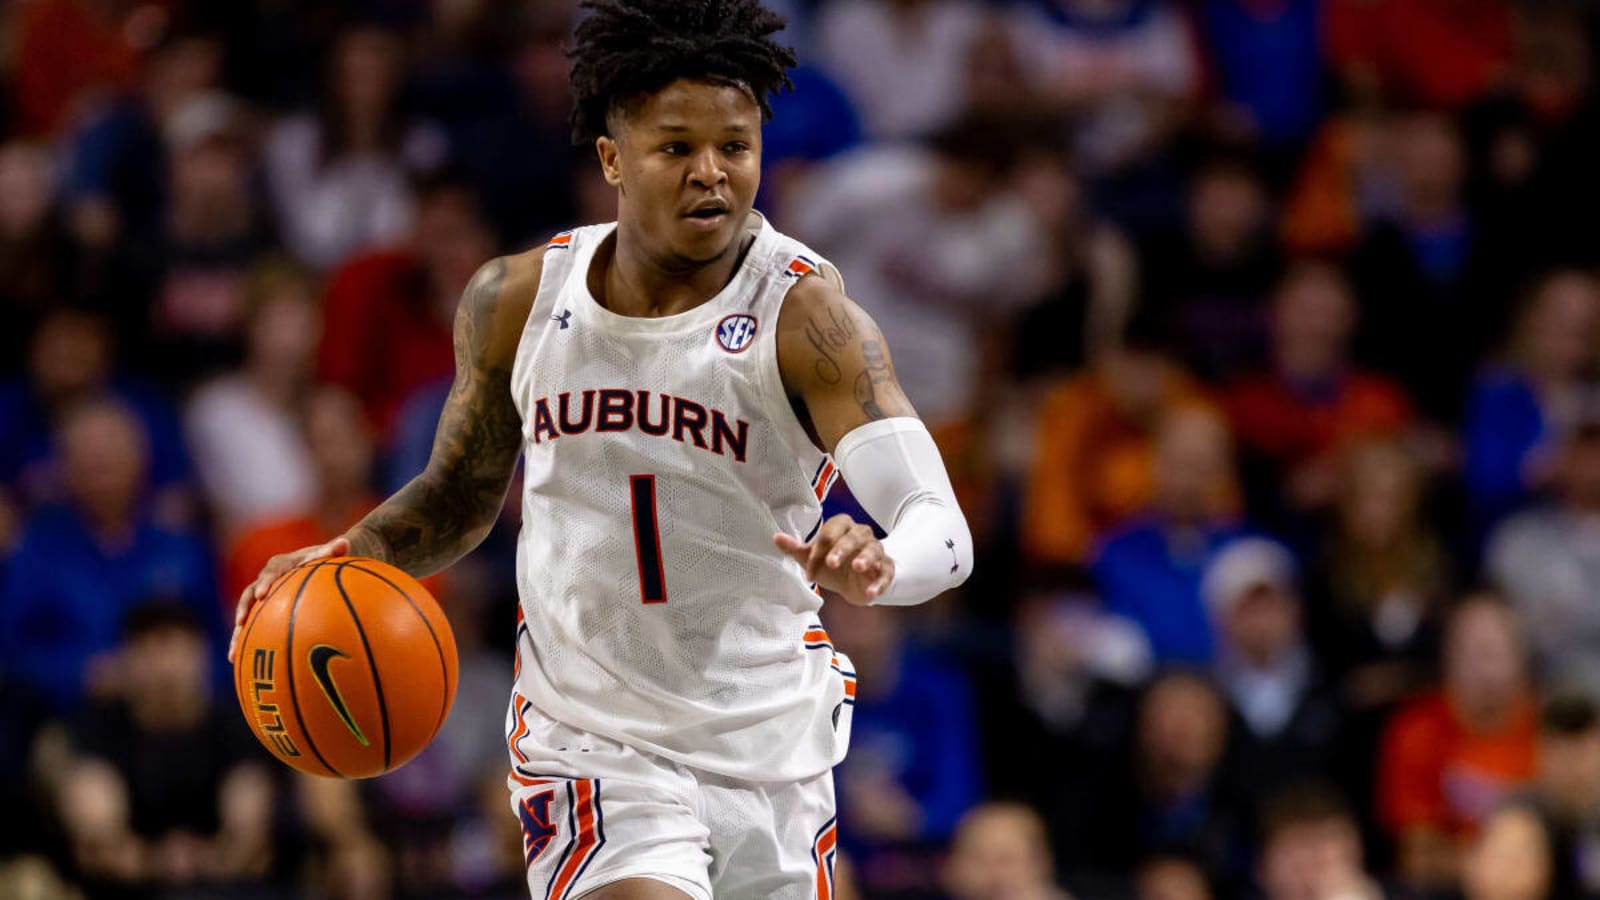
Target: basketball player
x,y
683,386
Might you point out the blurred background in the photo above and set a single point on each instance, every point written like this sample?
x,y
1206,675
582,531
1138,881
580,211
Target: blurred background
x,y
1260,337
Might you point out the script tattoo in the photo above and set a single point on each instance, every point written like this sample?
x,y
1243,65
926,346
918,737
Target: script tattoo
x,y
829,338
878,371
449,508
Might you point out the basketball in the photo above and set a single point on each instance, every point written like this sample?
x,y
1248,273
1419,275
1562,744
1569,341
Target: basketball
x,y
347,668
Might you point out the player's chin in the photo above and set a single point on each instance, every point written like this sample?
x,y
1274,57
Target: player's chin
x,y
699,243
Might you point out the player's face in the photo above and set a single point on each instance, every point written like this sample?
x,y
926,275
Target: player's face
x,y
686,164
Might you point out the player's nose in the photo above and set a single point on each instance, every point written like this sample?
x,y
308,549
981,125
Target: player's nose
x,y
705,169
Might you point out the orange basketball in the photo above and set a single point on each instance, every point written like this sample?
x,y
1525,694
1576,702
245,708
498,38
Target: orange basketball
x,y
347,668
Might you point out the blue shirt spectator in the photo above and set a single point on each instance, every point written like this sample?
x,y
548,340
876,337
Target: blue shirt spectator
x,y
1504,425
913,768
78,570
1268,59
1150,573
66,593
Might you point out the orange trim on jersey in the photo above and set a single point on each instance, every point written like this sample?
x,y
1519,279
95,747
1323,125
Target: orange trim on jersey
x,y
819,851
799,267
821,487
816,636
525,781
521,731
561,240
849,687
588,840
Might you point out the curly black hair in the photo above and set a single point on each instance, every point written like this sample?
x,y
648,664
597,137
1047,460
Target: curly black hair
x,y
626,50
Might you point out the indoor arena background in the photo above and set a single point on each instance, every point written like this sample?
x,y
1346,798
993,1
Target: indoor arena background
x,y
1260,337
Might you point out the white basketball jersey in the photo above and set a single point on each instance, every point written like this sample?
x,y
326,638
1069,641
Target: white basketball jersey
x,y
661,454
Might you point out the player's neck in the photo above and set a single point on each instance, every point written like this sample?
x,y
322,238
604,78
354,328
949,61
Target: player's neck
x,y
631,282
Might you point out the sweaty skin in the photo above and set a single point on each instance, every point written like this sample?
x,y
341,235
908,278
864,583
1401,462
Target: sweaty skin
x,y
686,164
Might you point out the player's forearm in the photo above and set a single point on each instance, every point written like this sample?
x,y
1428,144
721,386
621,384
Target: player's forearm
x,y
430,523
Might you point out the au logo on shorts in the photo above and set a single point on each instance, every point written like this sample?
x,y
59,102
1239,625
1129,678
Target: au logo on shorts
x,y
736,333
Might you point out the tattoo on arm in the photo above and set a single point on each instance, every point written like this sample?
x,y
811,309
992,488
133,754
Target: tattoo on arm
x,y
877,372
448,509
829,336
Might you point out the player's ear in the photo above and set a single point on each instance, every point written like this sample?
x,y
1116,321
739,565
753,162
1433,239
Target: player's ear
x,y
606,148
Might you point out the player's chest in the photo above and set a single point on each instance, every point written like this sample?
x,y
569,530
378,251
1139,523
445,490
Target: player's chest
x,y
659,395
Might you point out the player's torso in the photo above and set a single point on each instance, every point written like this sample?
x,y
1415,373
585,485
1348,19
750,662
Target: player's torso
x,y
661,455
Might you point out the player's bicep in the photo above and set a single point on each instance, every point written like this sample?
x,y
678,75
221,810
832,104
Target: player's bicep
x,y
836,362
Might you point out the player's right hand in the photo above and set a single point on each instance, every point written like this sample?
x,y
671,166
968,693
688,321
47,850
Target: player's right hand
x,y
275,567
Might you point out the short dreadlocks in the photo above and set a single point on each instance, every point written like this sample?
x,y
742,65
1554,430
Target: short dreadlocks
x,y
626,50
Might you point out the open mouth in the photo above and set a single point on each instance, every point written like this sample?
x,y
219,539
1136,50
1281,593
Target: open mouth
x,y
708,215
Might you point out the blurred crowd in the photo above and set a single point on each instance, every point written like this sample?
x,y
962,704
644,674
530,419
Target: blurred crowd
x,y
1261,337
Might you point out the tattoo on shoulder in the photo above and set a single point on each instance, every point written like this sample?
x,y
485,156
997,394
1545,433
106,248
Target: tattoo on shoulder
x,y
829,333
877,372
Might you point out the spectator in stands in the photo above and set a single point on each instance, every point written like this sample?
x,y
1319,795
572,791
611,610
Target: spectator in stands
x,y
1093,468
1288,722
168,788
902,63
521,156
81,567
1423,261
1150,571
70,360
1521,411
1000,852
339,176
913,769
1293,421
413,290
1546,563
1510,860
1566,793
880,214
214,230
1311,848
1208,280
1121,68
1450,758
244,427
1091,285
115,182
1386,575
338,448
1164,794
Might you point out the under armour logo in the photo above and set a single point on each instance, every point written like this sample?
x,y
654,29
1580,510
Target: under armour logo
x,y
562,317
951,546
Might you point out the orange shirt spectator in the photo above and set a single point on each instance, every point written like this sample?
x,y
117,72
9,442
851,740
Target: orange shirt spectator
x,y
1449,759
1440,774
1093,468
1274,419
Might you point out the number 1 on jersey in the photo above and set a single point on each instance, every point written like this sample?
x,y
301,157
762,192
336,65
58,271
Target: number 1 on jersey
x,y
647,539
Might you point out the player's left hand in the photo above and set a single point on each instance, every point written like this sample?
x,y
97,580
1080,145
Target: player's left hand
x,y
845,558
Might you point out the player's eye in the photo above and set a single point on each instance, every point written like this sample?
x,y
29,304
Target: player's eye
x,y
734,148
676,148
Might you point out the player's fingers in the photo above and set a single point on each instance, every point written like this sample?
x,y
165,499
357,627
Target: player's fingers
x,y
827,536
869,555
848,547
885,578
789,544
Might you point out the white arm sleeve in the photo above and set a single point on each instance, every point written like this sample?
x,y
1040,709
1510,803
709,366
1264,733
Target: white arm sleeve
x,y
895,471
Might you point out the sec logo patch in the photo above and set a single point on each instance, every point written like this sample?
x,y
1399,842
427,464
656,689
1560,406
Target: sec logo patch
x,y
736,333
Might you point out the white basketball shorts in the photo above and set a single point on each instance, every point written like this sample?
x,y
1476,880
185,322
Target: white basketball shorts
x,y
595,811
